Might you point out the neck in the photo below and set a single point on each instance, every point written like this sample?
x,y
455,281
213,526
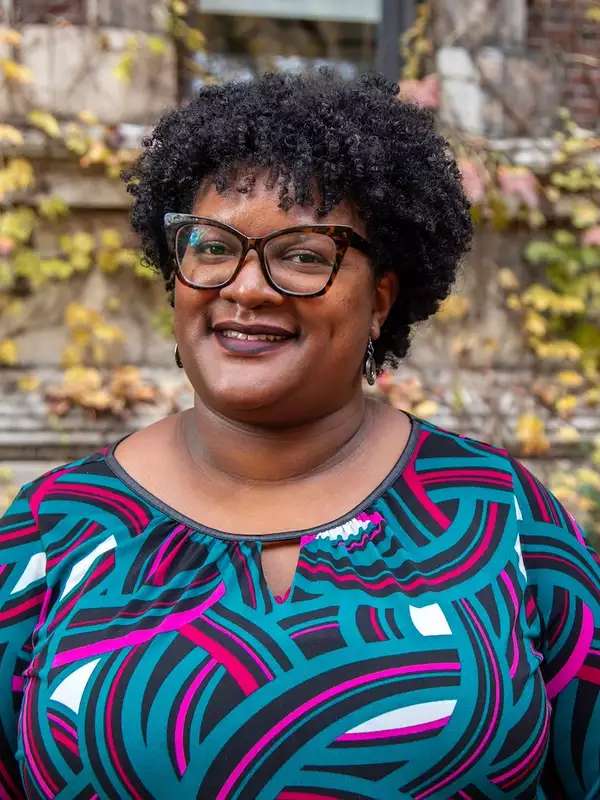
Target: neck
x,y
226,449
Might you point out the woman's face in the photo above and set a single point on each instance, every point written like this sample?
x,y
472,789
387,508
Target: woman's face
x,y
315,371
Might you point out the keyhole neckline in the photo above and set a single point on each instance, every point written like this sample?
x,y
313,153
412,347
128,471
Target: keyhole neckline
x,y
178,516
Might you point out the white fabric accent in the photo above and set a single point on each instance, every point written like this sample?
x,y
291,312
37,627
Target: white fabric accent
x,y
520,555
35,569
350,528
517,508
70,691
406,717
430,620
81,567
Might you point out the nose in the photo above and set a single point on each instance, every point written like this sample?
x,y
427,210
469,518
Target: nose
x,y
249,287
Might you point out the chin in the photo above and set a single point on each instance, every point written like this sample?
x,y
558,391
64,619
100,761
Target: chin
x,y
233,398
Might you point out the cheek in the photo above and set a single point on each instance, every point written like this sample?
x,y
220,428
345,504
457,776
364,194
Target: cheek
x,y
191,307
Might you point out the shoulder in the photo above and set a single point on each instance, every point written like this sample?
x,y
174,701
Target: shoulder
x,y
487,464
36,499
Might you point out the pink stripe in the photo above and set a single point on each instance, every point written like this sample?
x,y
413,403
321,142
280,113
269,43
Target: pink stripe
x,y
32,758
489,474
324,696
17,683
561,624
577,656
21,533
376,626
182,713
482,547
86,534
108,727
314,628
568,565
21,608
513,634
290,794
58,721
422,580
59,736
532,753
242,676
423,727
589,674
414,482
157,566
244,646
244,566
105,565
173,622
120,501
490,728
541,505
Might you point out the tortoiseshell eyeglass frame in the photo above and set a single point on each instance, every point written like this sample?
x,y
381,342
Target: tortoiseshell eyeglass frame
x,y
343,237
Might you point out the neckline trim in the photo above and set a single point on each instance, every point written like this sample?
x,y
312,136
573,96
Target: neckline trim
x,y
392,476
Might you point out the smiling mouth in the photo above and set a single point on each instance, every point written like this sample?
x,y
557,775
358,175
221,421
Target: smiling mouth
x,y
250,344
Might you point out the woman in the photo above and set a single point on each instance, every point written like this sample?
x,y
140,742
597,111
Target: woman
x,y
290,590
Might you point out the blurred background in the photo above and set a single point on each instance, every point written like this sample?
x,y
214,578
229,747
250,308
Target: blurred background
x,y
86,343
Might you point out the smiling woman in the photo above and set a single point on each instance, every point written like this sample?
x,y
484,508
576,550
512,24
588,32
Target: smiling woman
x,y
288,589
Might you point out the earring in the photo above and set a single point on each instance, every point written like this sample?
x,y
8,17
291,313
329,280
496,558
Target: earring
x,y
178,360
370,368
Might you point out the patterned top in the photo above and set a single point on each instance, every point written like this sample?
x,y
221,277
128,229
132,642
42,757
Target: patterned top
x,y
441,640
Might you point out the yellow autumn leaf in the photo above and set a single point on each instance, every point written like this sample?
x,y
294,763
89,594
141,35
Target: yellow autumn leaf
x,y
454,307
79,379
507,279
46,122
570,378
10,36
535,324
568,434
10,135
426,408
15,73
76,315
589,476
53,207
157,45
105,332
8,353
28,383
109,237
87,117
531,434
566,405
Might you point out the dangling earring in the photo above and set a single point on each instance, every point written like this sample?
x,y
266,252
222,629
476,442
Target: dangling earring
x,y
178,360
370,368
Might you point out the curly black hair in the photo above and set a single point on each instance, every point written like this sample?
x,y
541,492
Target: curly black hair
x,y
355,140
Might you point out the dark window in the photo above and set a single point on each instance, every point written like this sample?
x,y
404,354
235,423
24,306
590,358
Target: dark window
x,y
49,11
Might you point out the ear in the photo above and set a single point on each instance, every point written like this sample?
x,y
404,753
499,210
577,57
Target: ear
x,y
384,295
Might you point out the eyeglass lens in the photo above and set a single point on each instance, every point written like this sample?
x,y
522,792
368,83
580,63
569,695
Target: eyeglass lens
x,y
299,261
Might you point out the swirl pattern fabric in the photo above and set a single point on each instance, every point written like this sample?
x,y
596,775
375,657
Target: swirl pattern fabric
x,y
439,641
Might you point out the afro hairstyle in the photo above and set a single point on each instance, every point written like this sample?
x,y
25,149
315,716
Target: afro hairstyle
x,y
354,140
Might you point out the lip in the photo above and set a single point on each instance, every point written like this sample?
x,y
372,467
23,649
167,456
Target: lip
x,y
244,347
258,328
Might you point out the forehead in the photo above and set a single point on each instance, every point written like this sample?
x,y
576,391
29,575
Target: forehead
x,y
257,211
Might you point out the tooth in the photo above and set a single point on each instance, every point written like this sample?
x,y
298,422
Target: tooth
x,y
252,337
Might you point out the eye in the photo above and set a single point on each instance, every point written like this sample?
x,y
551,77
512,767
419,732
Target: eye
x,y
306,257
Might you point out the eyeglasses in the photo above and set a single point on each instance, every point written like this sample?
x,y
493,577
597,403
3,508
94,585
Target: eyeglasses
x,y
300,261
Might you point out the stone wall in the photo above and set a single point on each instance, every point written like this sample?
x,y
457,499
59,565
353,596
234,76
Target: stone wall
x,y
506,66
564,27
